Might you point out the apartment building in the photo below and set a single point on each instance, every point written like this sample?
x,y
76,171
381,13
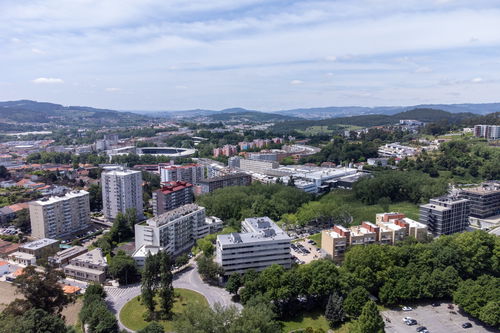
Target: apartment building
x,y
172,195
90,266
260,244
233,179
484,199
227,150
175,231
190,173
402,226
60,216
63,257
258,166
491,132
121,190
445,215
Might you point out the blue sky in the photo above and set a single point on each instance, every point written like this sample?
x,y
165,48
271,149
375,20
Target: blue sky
x,y
258,54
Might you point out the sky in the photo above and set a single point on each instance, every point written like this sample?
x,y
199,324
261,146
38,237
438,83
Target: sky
x,y
257,54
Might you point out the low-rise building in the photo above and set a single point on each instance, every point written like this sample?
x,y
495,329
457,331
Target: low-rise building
x,y
410,227
397,150
90,266
40,248
260,244
63,257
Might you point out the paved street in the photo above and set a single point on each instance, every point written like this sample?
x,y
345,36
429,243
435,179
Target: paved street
x,y
188,279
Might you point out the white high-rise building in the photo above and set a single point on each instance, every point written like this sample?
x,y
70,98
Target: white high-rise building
x,y
191,173
60,216
174,231
121,190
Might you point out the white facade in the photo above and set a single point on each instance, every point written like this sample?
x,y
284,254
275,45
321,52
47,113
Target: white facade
x,y
121,190
261,244
491,132
396,150
175,231
61,216
191,173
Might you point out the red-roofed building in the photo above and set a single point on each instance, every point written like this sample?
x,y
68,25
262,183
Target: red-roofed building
x,y
171,196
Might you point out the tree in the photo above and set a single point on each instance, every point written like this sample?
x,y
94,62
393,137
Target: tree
x,y
95,197
234,283
154,327
370,320
355,300
39,321
334,312
22,220
41,290
149,283
208,269
121,228
4,173
123,268
384,203
181,260
95,313
166,291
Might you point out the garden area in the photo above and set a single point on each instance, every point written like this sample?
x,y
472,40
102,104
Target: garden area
x,y
133,313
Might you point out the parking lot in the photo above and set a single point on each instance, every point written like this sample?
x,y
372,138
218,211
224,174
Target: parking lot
x,y
305,252
436,319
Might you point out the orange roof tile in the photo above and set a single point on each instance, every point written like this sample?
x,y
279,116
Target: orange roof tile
x,y
71,289
3,263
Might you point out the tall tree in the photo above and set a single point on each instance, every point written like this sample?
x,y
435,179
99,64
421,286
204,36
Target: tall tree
x,y
355,300
370,320
234,283
166,290
334,312
149,283
123,268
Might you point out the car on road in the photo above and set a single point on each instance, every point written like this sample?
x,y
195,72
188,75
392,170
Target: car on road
x,y
410,321
406,308
466,325
421,328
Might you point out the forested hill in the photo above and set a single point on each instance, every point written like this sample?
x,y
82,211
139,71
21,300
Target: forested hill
x,y
26,111
425,115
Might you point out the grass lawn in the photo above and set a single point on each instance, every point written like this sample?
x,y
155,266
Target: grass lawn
x,y
361,212
316,238
314,319
314,130
132,314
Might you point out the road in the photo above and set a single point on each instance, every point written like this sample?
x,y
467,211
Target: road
x,y
187,279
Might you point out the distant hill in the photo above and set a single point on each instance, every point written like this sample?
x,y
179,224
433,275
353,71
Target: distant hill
x,y
26,112
242,115
425,115
333,111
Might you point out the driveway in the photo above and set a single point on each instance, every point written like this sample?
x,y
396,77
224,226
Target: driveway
x,y
187,279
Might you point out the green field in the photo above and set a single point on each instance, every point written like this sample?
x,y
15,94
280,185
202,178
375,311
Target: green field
x,y
315,130
316,238
132,314
308,319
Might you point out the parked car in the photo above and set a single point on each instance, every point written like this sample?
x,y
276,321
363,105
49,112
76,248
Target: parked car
x,y
421,328
435,304
466,325
406,308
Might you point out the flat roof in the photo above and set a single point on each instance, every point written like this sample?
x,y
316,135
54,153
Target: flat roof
x,y
262,229
67,196
38,244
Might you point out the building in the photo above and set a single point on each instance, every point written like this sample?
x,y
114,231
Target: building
x,y
175,231
484,199
8,213
7,248
61,216
28,253
260,244
396,150
411,227
234,162
378,161
63,257
445,215
171,196
121,190
227,150
490,132
233,179
190,173
141,254
258,166
90,266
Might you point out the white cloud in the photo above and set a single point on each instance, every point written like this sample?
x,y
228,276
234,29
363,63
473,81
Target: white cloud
x,y
37,51
181,87
477,80
112,89
48,80
331,58
423,69
296,82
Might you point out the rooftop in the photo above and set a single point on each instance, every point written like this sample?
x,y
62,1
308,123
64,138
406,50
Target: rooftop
x,y
260,229
173,214
38,244
92,257
54,199
121,171
485,188
169,187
